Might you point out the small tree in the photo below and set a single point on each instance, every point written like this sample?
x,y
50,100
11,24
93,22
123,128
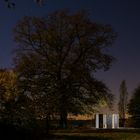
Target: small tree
x,y
122,105
134,107
14,107
8,95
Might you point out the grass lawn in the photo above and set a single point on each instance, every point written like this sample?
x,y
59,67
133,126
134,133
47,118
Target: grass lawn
x,y
96,135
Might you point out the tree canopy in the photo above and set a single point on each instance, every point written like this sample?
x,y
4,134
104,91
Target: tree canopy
x,y
57,57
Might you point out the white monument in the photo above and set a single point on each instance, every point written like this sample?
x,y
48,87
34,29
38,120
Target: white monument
x,y
107,120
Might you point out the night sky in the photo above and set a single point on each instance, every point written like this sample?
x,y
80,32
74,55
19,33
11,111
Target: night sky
x,y
123,15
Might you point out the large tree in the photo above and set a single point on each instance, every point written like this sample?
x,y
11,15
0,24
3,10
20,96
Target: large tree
x,y
122,105
134,107
57,57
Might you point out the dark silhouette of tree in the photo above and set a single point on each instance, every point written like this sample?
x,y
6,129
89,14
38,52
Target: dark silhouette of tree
x,y
56,59
134,107
122,105
12,4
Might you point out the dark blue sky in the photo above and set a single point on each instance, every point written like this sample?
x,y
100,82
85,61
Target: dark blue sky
x,y
123,15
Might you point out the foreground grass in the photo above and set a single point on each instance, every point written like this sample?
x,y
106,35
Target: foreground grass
x,y
9,132
97,135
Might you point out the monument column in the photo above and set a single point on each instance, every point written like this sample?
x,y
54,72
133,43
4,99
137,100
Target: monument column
x,y
97,120
104,121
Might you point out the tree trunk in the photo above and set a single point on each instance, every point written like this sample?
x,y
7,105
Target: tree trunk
x,y
63,120
47,124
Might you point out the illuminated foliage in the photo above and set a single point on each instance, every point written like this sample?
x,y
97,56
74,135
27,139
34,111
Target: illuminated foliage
x,y
8,94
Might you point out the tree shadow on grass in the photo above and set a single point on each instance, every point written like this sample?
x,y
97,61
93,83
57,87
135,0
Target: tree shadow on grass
x,y
78,137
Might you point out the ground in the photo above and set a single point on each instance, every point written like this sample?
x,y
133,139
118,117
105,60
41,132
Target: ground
x,y
115,134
